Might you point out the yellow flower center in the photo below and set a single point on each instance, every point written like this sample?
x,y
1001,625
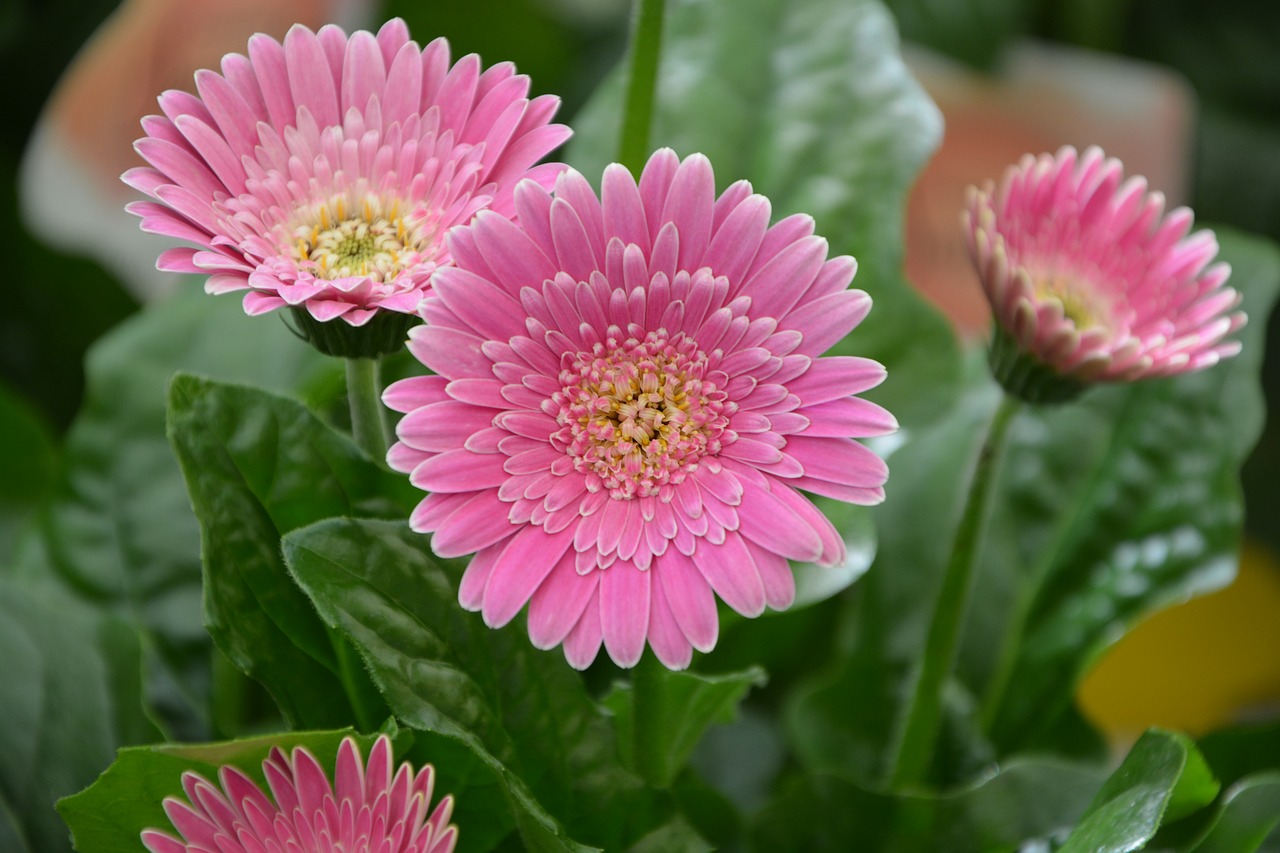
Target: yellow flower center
x,y
640,413
378,241
1080,302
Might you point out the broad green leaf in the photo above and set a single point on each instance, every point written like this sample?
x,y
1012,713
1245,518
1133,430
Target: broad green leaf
x,y
58,709
10,833
441,670
120,532
812,103
26,476
1240,751
257,466
675,836
1248,818
109,815
1022,807
1162,779
662,715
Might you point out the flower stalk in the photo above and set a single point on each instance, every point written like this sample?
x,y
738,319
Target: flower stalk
x,y
637,116
364,396
919,733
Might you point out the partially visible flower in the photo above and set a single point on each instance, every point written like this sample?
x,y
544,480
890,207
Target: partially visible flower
x,y
366,810
1089,279
628,401
322,173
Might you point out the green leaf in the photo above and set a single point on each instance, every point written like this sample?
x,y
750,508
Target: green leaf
x,y
108,816
523,711
1240,751
1248,818
661,715
813,104
120,532
1162,779
257,466
675,836
58,709
26,478
1021,807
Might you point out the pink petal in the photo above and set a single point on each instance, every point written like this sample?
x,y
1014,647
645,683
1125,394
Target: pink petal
x,y
476,577
692,603
838,460
666,639
559,602
836,376
524,563
477,524
624,612
732,574
583,643
770,523
849,417
460,471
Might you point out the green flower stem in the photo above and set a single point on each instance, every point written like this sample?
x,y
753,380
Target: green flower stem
x,y
924,712
1010,646
368,418
646,50
351,672
646,703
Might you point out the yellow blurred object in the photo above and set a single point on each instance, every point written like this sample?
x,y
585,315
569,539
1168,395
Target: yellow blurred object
x,y
1197,666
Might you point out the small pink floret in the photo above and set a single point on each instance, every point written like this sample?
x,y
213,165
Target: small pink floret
x,y
1088,274
629,399
323,173
365,810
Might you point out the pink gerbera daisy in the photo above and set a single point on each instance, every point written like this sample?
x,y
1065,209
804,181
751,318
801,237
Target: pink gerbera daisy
x,y
369,810
1086,275
628,398
322,173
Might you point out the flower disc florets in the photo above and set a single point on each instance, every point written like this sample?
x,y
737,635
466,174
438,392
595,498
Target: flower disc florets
x,y
638,415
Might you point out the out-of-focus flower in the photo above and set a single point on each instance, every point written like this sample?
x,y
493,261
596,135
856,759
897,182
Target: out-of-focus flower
x,y
366,809
628,400
1091,282
322,173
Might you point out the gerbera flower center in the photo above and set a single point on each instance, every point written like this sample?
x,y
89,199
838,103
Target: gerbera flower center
x,y
639,414
1080,303
337,239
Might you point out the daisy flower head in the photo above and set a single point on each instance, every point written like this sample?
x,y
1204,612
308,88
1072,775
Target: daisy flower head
x,y
1091,281
367,808
321,174
629,397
